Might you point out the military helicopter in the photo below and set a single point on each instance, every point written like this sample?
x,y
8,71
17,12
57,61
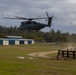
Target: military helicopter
x,y
29,24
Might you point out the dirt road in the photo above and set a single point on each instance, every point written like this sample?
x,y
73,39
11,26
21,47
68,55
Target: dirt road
x,y
42,54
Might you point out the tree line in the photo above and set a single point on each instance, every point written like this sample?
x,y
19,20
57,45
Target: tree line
x,y
51,36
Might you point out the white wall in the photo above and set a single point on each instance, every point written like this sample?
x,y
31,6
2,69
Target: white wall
x,y
17,42
5,42
26,42
33,42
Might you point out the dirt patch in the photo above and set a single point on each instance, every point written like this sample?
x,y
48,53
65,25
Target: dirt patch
x,y
42,54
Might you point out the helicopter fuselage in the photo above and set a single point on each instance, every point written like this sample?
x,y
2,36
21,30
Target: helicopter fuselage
x,y
32,25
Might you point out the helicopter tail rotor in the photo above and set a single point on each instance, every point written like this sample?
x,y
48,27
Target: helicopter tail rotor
x,y
49,20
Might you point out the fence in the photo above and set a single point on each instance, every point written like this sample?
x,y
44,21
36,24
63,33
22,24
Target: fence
x,y
69,53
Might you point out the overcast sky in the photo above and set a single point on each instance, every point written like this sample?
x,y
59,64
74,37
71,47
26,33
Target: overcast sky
x,y
64,12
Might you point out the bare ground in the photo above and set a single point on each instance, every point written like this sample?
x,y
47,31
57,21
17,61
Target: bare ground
x,y
42,54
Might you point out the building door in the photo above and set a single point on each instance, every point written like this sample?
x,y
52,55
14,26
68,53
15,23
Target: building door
x,y
1,42
21,41
29,42
11,42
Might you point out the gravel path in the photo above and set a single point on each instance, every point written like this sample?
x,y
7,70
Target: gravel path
x,y
42,54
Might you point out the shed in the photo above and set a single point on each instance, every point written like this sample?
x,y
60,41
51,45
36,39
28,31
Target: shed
x,y
7,41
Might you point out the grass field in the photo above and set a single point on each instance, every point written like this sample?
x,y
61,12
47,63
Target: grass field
x,y
11,65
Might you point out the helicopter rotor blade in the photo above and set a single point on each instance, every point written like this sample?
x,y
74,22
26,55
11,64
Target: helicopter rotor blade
x,y
16,17
47,14
9,18
22,18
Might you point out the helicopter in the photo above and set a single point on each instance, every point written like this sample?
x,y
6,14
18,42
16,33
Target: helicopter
x,y
29,24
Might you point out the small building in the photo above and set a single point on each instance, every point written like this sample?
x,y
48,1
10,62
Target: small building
x,y
15,40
